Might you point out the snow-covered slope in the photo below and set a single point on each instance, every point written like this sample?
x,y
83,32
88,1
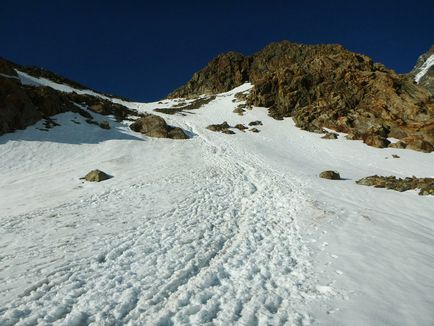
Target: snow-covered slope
x,y
424,68
218,229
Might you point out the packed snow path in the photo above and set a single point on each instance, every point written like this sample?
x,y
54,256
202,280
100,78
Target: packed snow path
x,y
228,251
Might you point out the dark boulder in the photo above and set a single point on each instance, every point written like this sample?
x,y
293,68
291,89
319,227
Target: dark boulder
x,y
331,175
155,126
96,176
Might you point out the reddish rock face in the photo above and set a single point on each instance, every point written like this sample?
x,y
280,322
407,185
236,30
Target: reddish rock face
x,y
323,86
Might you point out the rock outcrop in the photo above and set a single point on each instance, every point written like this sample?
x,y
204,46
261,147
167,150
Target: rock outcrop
x,y
330,175
24,105
324,86
96,176
426,185
155,126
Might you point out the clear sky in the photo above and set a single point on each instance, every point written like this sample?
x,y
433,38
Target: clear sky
x,y
143,49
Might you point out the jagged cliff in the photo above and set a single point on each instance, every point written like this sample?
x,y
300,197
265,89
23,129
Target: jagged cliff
x,y
423,71
326,86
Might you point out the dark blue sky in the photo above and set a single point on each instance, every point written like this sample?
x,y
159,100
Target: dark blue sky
x,y
143,51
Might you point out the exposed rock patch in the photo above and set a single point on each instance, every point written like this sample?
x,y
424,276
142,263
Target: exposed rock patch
x,y
96,176
23,105
221,127
426,185
331,175
155,126
104,124
240,127
330,135
255,123
324,86
239,110
183,106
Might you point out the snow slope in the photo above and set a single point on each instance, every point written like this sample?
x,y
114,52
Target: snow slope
x,y
424,68
218,229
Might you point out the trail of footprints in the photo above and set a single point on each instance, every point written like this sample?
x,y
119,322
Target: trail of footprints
x,y
228,252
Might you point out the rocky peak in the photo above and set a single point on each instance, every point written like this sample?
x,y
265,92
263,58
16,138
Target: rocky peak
x,y
324,86
423,71
225,72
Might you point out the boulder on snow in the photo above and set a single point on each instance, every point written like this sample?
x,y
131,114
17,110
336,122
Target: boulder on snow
x,y
104,124
398,144
96,176
221,127
240,127
418,144
426,185
255,123
375,140
239,110
330,175
155,126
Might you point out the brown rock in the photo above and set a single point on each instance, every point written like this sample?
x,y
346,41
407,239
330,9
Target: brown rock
x,y
398,144
425,184
331,175
96,176
419,145
255,123
376,141
155,126
324,86
241,127
330,135
104,124
219,127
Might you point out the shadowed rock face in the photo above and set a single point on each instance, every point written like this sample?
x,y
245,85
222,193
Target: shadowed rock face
x,y
324,86
23,105
427,80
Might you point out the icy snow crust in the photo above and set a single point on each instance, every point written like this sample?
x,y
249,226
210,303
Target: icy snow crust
x,y
424,68
219,229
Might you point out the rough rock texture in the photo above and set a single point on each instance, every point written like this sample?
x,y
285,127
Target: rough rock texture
x,y
181,107
155,126
426,185
223,73
331,175
96,176
240,127
330,135
22,106
323,86
221,127
425,61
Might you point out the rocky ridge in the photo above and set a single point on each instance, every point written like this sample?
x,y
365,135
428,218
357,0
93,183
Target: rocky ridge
x,y
24,105
423,71
325,86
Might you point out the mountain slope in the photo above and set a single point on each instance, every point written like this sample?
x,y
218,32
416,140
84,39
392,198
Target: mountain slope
x,y
326,86
219,229
423,71
222,228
